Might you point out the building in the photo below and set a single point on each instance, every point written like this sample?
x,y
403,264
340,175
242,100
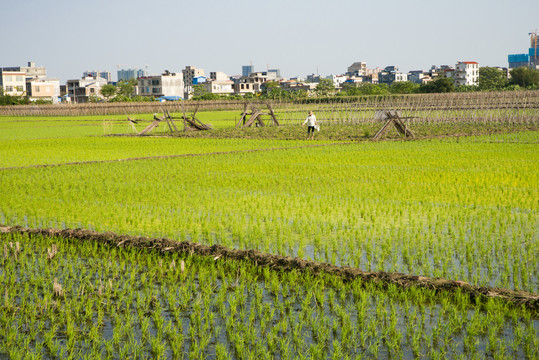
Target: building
x,y
98,74
418,76
533,52
531,59
518,60
219,86
390,75
85,90
357,69
466,73
189,73
43,89
295,85
219,76
250,84
247,70
436,71
13,82
313,78
166,84
30,71
131,74
198,80
337,80
274,74
219,83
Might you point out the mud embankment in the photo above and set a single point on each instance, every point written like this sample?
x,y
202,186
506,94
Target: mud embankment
x,y
284,263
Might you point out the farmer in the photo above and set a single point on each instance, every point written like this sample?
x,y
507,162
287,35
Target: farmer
x,y
311,123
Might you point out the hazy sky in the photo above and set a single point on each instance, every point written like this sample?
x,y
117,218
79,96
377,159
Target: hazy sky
x,y
297,36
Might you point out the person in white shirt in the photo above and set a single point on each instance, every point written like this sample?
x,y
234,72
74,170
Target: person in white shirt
x,y
311,123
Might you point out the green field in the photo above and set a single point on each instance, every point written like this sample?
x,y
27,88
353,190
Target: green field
x,y
93,302
461,208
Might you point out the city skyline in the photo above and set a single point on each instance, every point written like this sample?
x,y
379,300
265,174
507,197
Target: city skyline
x,y
298,38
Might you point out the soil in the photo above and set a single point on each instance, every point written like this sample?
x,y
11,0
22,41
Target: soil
x,y
284,263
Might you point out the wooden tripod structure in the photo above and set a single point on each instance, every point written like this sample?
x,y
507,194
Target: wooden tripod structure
x,y
255,117
191,123
166,117
393,119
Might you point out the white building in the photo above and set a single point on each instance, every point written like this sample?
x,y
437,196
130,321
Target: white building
x,y
83,90
43,89
13,82
357,69
252,83
166,84
337,80
219,83
466,73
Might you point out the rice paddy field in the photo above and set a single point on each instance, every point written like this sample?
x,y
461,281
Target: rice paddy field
x,y
459,208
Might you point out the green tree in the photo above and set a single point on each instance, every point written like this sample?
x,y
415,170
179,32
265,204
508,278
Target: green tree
x,y
325,87
491,78
127,87
403,87
373,89
525,77
439,85
198,90
108,90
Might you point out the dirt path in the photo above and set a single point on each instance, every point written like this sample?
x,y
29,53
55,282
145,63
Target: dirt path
x,y
284,263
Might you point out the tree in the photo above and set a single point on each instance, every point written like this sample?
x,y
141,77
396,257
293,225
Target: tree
x,y
198,90
439,85
127,87
403,87
373,89
491,78
525,77
325,87
108,90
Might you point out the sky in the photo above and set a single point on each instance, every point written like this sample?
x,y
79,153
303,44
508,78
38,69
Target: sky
x,y
299,37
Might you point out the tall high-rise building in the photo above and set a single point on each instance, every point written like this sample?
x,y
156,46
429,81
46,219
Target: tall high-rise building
x,y
247,70
534,50
129,74
530,59
274,73
99,74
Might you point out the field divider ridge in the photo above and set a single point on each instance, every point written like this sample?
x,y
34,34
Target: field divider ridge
x,y
173,156
285,263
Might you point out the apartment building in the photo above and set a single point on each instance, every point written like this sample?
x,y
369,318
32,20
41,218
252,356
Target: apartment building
x,y
30,71
166,84
252,83
43,89
390,75
189,74
13,82
219,83
130,74
83,90
466,73
98,74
